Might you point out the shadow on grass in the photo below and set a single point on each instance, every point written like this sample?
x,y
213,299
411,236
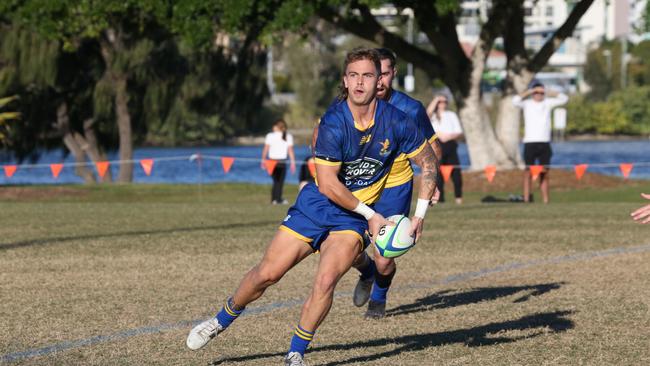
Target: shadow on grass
x,y
484,335
63,239
450,298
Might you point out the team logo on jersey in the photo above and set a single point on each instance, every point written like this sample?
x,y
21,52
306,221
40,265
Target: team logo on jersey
x,y
360,171
365,139
384,148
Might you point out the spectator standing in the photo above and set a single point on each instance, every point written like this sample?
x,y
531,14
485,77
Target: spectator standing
x,y
278,145
537,132
448,129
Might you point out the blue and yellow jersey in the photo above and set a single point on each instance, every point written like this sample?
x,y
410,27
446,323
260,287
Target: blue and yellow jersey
x,y
401,171
366,155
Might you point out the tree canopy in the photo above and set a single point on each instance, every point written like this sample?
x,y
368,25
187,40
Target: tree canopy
x,y
124,67
129,32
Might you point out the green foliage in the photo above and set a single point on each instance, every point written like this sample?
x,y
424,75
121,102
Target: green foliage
x,y
602,70
645,26
6,116
446,6
35,68
74,20
624,112
26,59
313,66
639,67
209,95
178,111
196,20
189,91
634,102
607,109
599,117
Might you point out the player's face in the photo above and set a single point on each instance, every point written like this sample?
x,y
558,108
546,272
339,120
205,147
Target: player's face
x,y
387,74
361,80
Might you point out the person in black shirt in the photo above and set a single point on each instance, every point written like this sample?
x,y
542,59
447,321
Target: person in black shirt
x,y
305,176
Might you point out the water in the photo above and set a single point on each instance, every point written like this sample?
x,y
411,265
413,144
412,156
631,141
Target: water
x,y
173,165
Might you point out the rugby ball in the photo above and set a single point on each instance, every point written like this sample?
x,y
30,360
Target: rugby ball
x,y
395,240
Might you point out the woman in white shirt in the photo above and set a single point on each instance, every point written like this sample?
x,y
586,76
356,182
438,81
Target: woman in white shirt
x,y
448,130
277,146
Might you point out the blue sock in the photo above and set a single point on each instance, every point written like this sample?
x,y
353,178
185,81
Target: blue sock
x,y
369,271
378,293
300,340
228,314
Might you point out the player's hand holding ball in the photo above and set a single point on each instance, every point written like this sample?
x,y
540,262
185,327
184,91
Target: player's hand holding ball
x,y
376,222
417,223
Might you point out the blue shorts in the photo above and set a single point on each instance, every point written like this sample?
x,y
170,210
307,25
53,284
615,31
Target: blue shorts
x,y
395,200
314,217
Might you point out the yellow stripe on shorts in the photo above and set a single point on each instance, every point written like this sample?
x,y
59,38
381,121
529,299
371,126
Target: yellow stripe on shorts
x,y
296,234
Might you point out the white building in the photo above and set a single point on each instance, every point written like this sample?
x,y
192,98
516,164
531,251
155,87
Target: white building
x,y
605,19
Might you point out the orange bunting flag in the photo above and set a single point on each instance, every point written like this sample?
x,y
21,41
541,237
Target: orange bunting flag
x,y
102,166
312,167
446,171
626,168
580,170
10,170
226,163
56,170
490,172
147,165
270,165
536,170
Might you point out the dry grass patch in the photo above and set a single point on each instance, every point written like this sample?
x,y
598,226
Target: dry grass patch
x,y
73,271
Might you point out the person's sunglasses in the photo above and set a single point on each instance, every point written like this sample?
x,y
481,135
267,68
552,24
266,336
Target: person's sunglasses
x,y
539,93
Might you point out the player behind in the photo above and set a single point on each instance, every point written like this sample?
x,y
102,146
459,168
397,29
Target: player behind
x,y
360,139
642,215
396,197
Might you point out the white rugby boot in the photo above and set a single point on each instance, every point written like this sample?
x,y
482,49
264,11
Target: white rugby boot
x,y
294,359
202,334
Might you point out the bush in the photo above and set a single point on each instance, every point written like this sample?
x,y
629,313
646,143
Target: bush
x,y
623,112
636,108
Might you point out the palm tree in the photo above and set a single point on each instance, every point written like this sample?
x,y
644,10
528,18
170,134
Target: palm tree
x,y
6,116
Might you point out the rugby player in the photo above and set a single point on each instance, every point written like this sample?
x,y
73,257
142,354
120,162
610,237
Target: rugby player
x,y
359,140
396,197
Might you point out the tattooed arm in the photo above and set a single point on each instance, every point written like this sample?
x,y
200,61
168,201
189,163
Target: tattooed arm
x,y
428,163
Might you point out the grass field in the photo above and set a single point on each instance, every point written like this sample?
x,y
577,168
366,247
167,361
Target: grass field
x,y
114,275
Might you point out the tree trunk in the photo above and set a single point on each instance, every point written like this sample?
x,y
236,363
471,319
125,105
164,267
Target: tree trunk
x,y
88,143
508,127
63,124
91,139
110,44
483,146
509,117
124,127
517,79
